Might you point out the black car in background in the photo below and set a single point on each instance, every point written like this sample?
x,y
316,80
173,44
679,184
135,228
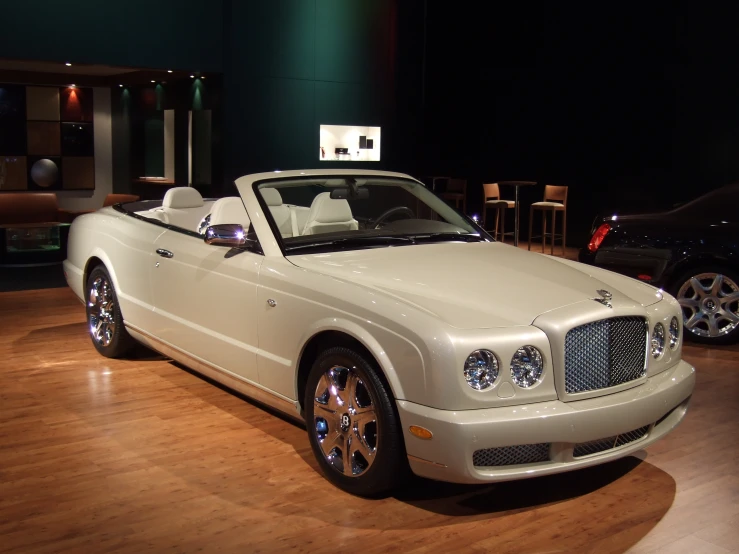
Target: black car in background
x,y
692,252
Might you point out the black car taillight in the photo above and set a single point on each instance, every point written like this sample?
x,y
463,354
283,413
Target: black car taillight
x,y
598,236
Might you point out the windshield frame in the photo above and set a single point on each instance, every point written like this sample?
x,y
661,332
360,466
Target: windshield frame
x,y
285,249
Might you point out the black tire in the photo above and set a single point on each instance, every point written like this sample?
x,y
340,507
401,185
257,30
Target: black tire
x,y
702,331
107,332
389,465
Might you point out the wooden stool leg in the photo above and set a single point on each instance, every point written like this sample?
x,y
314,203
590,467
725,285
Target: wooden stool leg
x,y
554,228
531,224
495,232
502,224
484,215
564,233
543,230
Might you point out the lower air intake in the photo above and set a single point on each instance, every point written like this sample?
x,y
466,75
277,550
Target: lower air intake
x,y
609,443
511,455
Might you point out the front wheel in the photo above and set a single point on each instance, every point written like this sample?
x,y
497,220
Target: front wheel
x,y
709,299
104,319
352,424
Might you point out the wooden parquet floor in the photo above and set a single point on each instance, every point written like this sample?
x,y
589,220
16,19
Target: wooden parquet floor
x,y
141,455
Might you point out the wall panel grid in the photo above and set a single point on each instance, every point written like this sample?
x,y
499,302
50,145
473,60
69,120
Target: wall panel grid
x,y
46,138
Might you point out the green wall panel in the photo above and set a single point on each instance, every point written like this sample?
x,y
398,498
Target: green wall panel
x,y
172,34
352,40
280,35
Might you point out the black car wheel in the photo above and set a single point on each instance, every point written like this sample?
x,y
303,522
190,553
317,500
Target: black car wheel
x,y
709,298
353,425
104,319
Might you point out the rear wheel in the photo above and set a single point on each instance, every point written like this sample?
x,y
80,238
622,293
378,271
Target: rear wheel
x,y
709,299
104,319
352,424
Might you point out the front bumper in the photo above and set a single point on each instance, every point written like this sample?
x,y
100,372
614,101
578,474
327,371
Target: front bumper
x,y
660,403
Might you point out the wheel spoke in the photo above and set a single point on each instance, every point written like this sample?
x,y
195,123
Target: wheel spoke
x,y
359,444
690,303
729,316
352,381
346,456
697,288
713,325
694,320
729,298
716,286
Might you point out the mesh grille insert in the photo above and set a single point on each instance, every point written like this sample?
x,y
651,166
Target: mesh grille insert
x,y
605,353
609,443
511,455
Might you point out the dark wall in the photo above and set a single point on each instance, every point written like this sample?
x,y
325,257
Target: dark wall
x,y
292,65
634,108
166,34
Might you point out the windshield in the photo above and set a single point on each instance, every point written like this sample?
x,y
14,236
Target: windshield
x,y
331,213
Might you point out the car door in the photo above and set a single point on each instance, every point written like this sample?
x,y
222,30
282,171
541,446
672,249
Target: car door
x,y
205,301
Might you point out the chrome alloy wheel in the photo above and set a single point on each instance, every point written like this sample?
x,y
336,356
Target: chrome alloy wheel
x,y
345,422
710,304
101,310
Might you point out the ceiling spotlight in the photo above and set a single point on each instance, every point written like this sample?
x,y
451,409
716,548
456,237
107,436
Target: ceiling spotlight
x,y
192,76
72,85
120,86
202,76
68,64
169,71
153,81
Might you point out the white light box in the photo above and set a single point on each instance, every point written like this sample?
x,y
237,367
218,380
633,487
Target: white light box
x,y
351,143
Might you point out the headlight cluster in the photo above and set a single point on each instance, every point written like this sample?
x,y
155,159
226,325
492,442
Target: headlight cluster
x,y
481,368
657,343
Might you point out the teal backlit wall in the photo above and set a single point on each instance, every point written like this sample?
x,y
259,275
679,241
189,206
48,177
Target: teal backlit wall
x,y
171,34
292,65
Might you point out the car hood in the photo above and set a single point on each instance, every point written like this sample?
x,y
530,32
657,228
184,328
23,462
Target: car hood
x,y
477,285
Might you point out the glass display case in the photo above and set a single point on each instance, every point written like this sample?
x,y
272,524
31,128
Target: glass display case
x,y
32,239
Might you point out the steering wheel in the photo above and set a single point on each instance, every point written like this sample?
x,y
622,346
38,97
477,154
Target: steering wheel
x,y
375,224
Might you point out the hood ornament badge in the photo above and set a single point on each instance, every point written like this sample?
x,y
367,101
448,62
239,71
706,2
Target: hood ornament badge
x,y
605,298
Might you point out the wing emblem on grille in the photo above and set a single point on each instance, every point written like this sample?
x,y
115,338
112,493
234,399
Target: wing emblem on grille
x,y
605,297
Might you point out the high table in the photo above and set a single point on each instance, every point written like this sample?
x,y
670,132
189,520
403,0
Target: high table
x,y
516,184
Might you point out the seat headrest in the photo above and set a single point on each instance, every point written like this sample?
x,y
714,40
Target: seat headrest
x,y
182,197
271,196
229,210
325,209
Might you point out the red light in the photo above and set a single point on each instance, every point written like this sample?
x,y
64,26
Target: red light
x,y
644,277
598,237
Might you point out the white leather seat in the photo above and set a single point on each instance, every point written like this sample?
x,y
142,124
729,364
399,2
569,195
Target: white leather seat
x,y
182,207
329,215
229,210
280,212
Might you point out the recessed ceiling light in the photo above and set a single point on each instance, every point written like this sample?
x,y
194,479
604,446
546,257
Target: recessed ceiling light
x,y
72,85
120,85
153,81
192,76
68,64
202,77
169,71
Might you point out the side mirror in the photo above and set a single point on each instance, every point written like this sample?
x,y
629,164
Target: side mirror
x,y
232,235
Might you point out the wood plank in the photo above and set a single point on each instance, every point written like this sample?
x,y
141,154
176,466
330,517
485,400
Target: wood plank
x,y
140,455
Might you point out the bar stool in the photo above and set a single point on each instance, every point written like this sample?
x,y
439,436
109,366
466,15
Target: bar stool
x,y
555,201
491,199
456,191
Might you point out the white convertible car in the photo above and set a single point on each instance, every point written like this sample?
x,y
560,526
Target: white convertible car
x,y
396,328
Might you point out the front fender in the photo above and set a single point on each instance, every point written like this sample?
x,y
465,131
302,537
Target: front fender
x,y
399,359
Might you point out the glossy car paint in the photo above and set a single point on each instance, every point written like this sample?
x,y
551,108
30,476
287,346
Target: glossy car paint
x,y
419,310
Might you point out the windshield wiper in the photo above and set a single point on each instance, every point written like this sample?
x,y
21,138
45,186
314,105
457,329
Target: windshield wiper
x,y
448,237
367,240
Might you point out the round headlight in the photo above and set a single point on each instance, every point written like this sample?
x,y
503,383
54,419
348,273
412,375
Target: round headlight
x,y
481,369
527,366
674,333
658,340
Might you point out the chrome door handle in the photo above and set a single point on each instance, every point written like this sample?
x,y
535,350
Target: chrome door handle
x,y
164,253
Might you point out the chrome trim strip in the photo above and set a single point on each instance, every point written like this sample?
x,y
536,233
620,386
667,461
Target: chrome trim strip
x,y
417,459
285,406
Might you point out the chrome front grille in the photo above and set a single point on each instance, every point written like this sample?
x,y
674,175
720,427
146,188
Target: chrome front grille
x,y
605,353
511,455
609,443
